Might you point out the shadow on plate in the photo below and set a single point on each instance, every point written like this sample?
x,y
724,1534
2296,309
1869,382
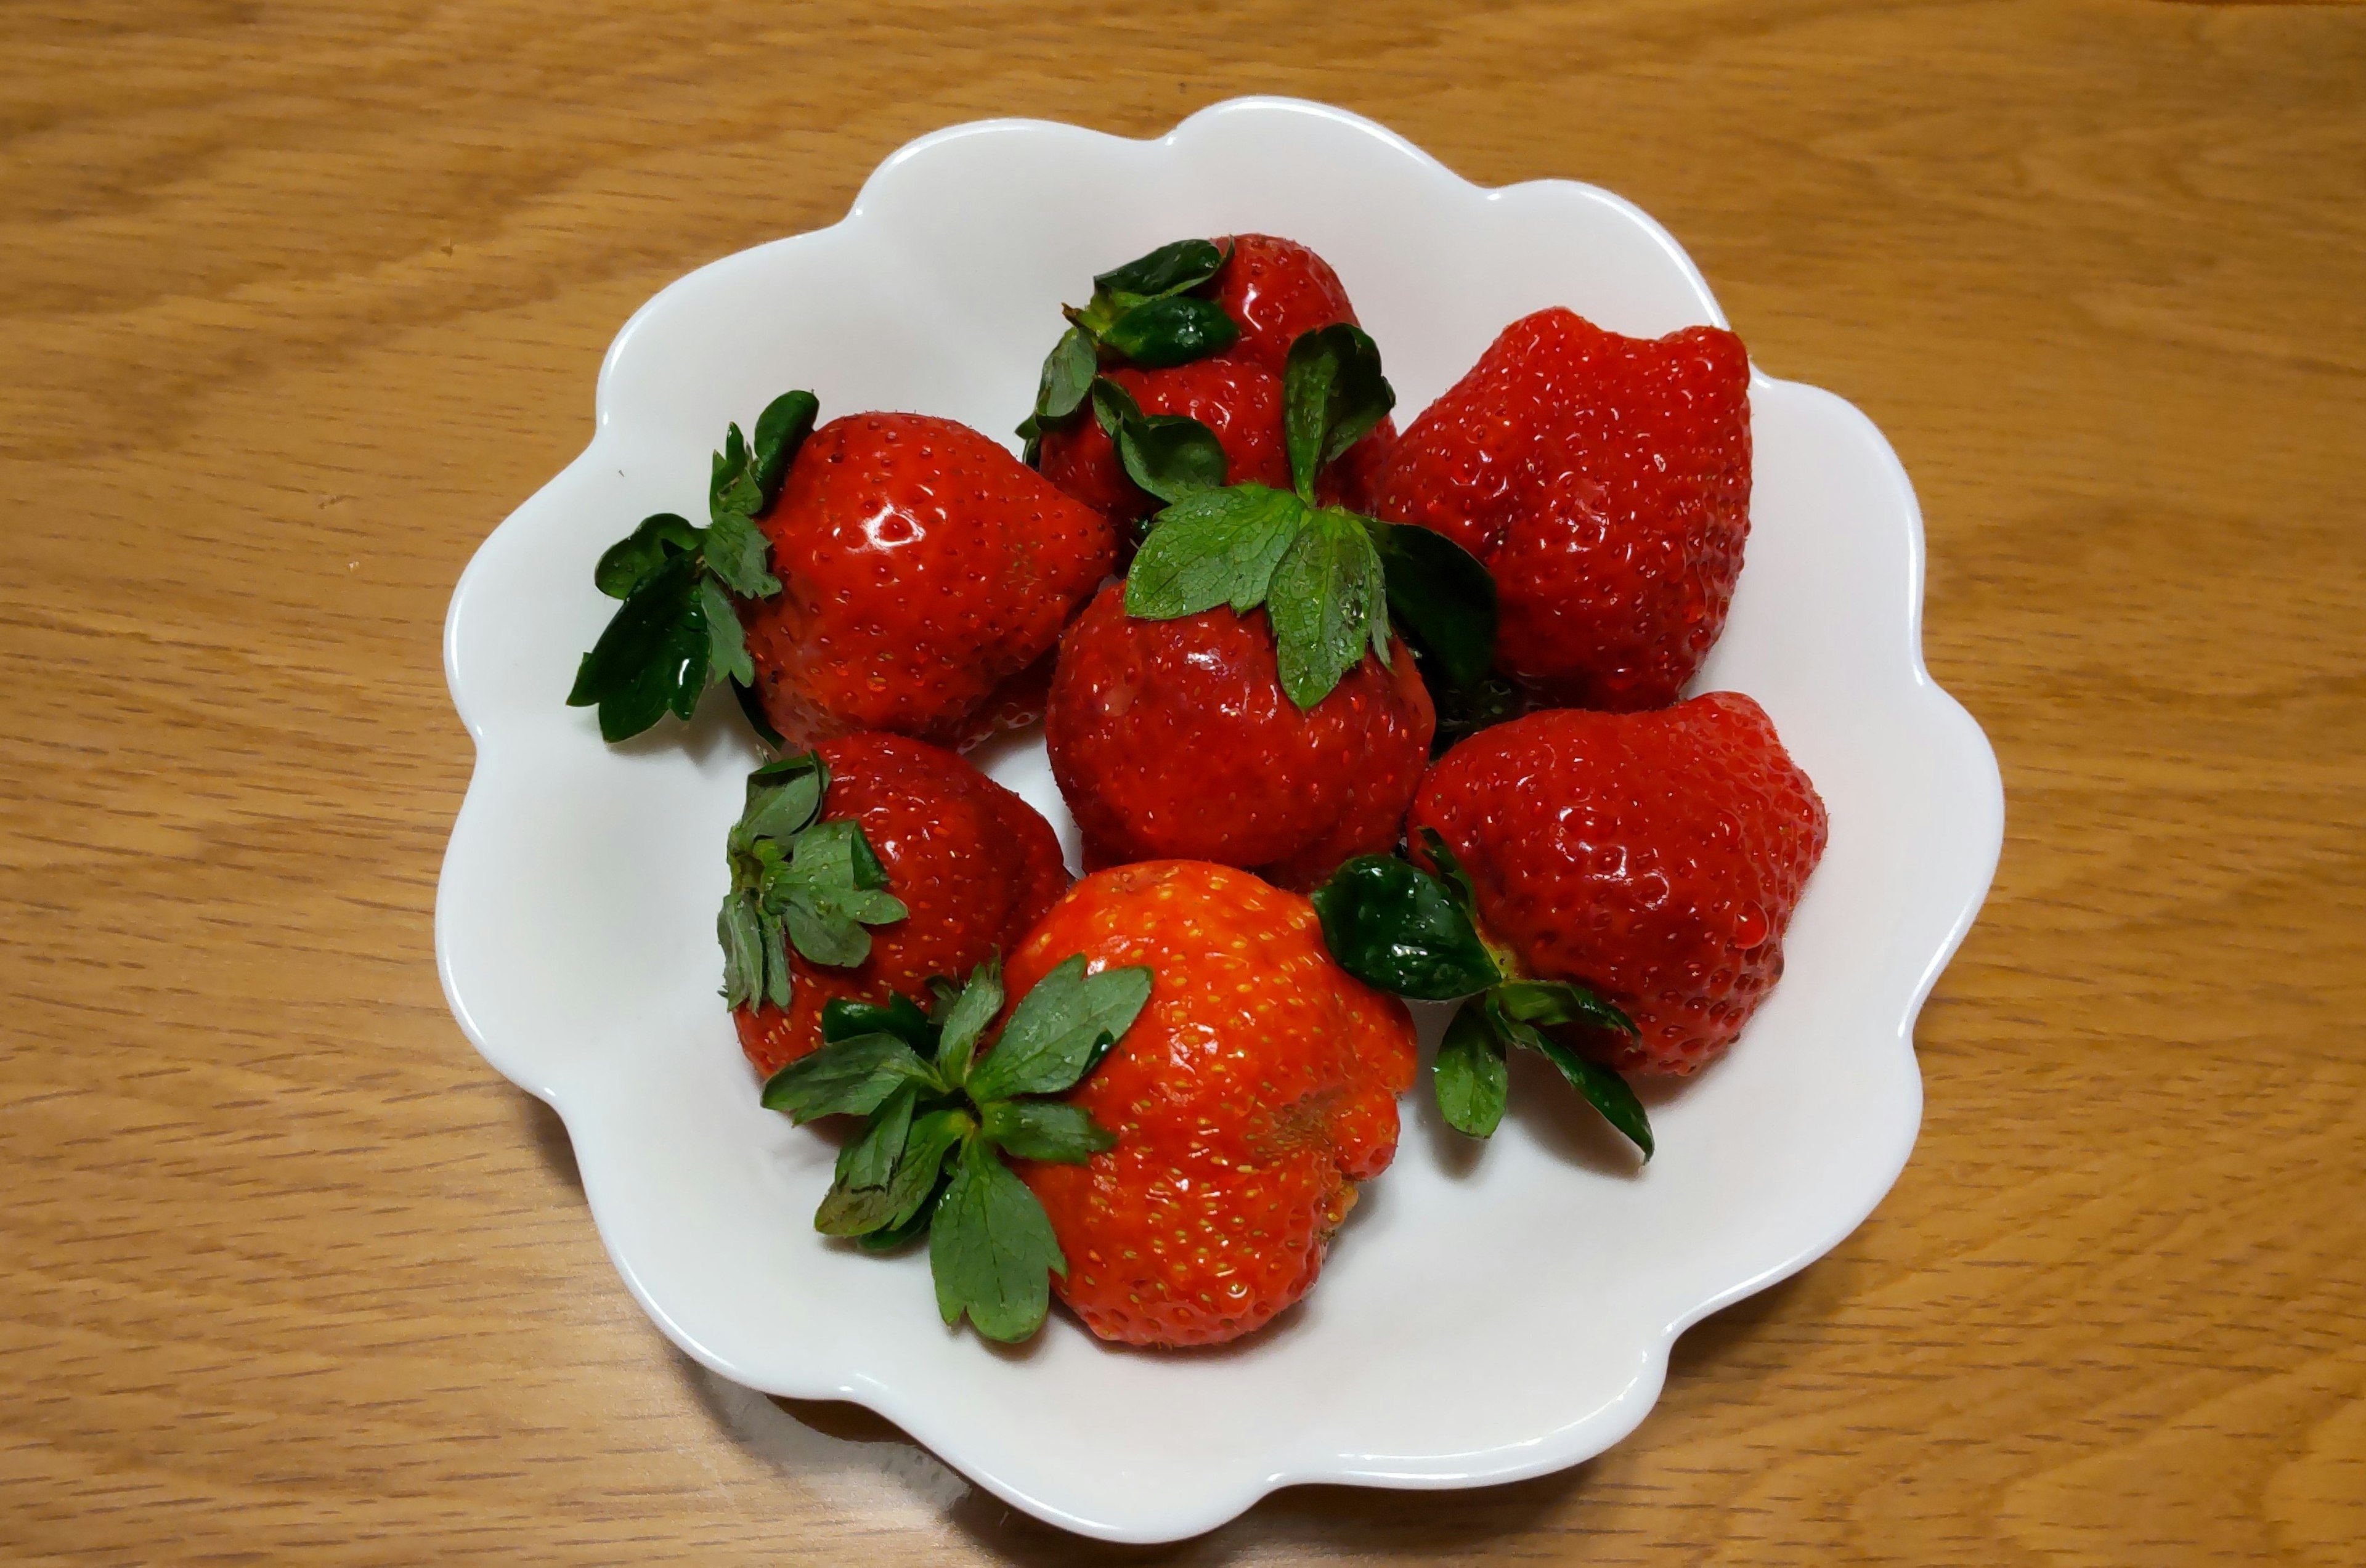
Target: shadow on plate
x,y
862,1468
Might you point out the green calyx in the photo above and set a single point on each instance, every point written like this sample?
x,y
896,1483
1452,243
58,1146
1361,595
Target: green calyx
x,y
1332,582
796,881
938,1116
678,632
1401,929
1141,313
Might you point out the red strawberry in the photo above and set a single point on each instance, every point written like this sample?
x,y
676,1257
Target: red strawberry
x,y
1654,857
1276,290
1240,401
922,567
1173,738
1606,482
1248,1099
973,865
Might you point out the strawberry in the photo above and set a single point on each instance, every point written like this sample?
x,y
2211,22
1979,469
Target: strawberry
x,y
1247,701
921,567
859,824
1198,330
1239,403
1175,738
1616,886
1275,290
1256,1088
1604,480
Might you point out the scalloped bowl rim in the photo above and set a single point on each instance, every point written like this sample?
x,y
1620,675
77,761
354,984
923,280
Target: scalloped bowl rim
x,y
1588,1432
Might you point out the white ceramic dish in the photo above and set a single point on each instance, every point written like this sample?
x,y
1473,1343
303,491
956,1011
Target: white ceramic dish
x,y
1487,1314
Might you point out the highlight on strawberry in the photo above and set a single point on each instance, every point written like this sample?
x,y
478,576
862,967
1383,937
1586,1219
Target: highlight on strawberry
x,y
678,632
830,840
939,1114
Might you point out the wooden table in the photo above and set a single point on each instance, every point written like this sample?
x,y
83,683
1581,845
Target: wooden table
x,y
301,301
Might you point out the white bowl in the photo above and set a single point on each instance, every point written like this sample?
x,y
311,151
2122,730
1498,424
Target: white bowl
x,y
1487,1313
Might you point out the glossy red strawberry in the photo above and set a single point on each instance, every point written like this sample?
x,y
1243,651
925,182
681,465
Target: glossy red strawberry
x,y
1606,482
1174,738
1249,1097
973,865
1654,857
922,567
1275,290
1240,401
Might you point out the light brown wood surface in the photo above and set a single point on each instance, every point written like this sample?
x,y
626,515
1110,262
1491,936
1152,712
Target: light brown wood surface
x,y
300,299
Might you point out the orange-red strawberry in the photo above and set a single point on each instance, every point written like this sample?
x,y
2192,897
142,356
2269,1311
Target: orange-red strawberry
x,y
1604,480
1248,1098
1654,857
972,865
921,567
1175,738
1239,402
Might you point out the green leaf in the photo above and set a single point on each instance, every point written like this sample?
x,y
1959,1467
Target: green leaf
x,y
819,894
1333,394
1554,1002
1216,548
1169,269
1441,596
845,1078
738,553
1392,925
824,936
1471,1078
1175,329
780,429
1463,711
859,1199
1320,603
625,563
910,1228
726,645
783,799
751,709
742,936
966,1019
1450,869
1057,1031
1171,455
1069,372
842,1019
991,1248
869,1160
1602,1086
1044,1129
727,468
652,657
920,1169
774,943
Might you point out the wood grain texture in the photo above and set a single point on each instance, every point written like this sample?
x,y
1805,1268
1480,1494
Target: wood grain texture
x,y
299,300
